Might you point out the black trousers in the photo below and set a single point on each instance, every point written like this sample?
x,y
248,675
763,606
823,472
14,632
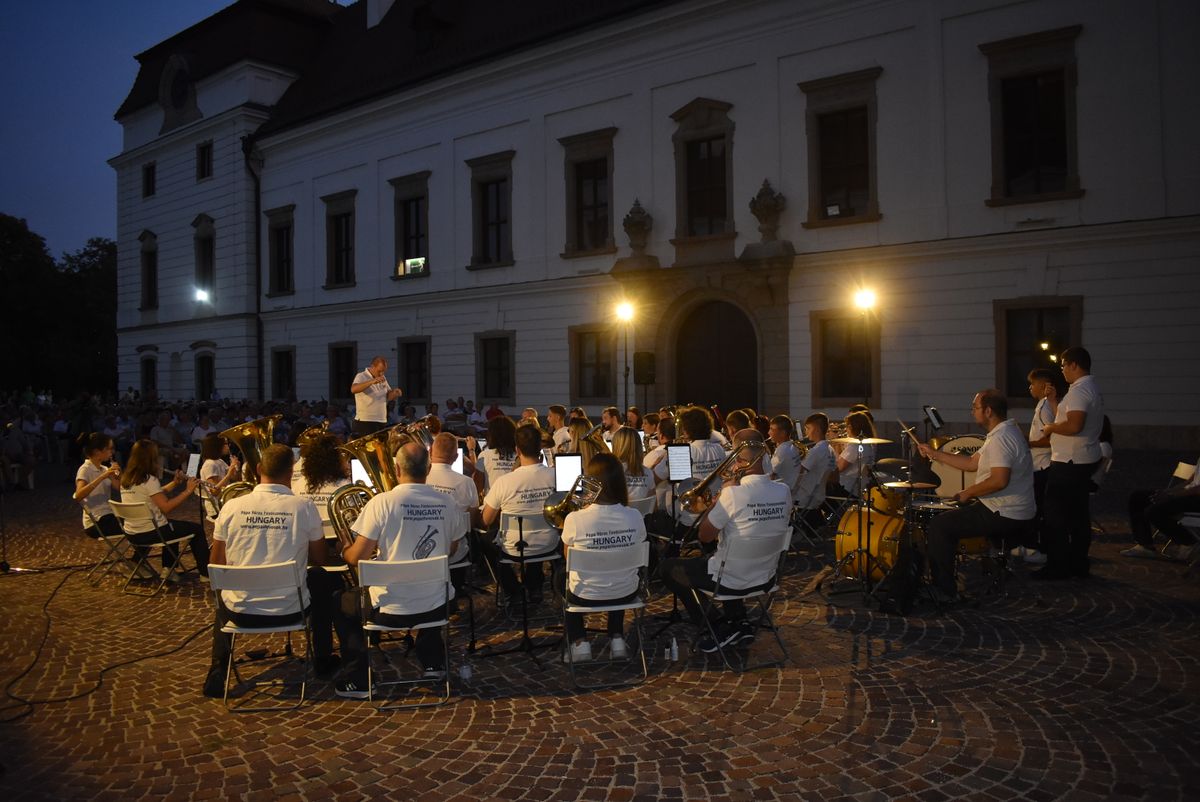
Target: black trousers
x,y
1146,515
575,624
430,649
682,575
194,531
1068,532
973,520
362,428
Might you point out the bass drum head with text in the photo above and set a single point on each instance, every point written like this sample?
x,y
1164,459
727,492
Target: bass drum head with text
x,y
955,480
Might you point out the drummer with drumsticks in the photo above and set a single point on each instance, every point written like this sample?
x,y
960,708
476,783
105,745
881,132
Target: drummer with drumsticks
x,y
999,505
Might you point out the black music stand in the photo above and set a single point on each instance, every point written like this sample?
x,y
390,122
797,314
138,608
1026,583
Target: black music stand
x,y
673,546
526,644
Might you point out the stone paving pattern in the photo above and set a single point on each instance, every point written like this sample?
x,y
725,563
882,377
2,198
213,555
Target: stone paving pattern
x,y
1086,689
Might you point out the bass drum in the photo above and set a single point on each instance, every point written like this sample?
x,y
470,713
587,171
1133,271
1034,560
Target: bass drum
x,y
885,531
955,480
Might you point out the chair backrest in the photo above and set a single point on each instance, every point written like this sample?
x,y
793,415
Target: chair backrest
x,y
523,524
1184,472
608,561
405,573
132,511
644,506
756,552
256,577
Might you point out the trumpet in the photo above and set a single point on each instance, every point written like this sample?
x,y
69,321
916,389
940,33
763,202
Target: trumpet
x,y
700,497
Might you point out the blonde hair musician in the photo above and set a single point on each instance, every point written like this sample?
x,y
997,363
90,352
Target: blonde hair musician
x,y
627,448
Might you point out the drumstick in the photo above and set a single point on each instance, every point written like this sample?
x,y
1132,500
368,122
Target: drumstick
x,y
908,432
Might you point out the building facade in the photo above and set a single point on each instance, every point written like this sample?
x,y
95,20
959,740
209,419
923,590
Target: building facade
x,y
471,191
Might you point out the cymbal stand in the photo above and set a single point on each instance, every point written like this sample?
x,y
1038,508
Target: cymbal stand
x,y
863,551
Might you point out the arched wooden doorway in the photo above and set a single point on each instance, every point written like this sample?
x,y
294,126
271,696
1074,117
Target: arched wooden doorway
x,y
716,358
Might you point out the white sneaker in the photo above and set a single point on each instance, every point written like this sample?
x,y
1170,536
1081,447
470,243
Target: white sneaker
x,y
578,653
1019,551
1138,550
1035,557
1178,551
174,578
617,648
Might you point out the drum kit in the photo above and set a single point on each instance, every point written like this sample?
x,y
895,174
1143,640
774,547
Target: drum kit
x,y
895,502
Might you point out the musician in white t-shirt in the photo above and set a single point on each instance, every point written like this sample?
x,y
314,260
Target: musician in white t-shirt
x,y
521,492
412,521
1074,456
372,394
461,490
696,429
818,463
556,421
1047,387
756,507
627,448
1003,489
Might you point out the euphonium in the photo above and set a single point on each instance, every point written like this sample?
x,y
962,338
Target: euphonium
x,y
311,433
251,438
584,492
375,454
699,497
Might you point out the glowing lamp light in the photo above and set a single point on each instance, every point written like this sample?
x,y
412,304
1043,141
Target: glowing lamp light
x,y
1053,358
864,299
202,295
625,312
1045,346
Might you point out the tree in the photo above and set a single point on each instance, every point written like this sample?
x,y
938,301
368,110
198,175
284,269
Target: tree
x,y
58,328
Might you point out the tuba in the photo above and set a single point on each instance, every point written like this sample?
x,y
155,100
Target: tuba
x,y
311,433
699,498
251,438
584,492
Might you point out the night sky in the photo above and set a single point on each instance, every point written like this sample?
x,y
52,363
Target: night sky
x,y
66,67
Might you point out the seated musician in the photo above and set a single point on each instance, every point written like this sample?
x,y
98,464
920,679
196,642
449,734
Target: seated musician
x,y
412,521
853,457
627,448
461,490
523,491
1162,509
324,471
609,523
556,420
272,525
755,507
786,459
1002,504
808,493
695,429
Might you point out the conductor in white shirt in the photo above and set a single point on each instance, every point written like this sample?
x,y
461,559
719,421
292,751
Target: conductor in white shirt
x,y
372,394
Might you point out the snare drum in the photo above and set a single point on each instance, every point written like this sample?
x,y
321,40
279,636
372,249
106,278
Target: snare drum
x,y
954,480
887,500
886,531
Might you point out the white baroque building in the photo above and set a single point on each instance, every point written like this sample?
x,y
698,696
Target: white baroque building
x,y
469,188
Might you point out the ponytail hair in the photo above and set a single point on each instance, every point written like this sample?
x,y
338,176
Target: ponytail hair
x,y
91,442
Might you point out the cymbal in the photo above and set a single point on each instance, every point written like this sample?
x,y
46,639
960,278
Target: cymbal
x,y
866,441
910,485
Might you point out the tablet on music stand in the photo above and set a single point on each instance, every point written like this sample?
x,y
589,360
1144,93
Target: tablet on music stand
x,y
193,466
679,462
359,474
567,468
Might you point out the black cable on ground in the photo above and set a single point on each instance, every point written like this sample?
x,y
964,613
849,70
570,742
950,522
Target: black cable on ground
x,y
29,705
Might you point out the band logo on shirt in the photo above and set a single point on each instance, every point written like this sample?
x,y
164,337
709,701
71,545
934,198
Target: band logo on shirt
x,y
269,520
532,495
426,544
766,512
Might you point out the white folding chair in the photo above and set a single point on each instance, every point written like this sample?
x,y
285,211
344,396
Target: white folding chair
x,y
275,580
748,555
139,512
118,552
406,576
618,564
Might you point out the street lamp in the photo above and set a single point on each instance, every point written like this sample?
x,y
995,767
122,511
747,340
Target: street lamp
x,y
625,315
864,299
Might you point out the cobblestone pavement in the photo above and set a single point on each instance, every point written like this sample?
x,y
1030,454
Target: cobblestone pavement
x,y
1087,689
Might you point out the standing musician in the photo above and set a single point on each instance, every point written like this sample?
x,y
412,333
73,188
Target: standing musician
x,y
522,492
372,394
272,525
1047,386
695,429
1003,489
755,507
1074,456
412,521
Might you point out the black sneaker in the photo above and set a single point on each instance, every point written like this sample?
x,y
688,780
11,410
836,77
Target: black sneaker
x,y
352,688
726,635
746,630
434,673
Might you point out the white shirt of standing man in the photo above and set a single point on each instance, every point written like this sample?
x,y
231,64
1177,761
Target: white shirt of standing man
x,y
1075,433
372,393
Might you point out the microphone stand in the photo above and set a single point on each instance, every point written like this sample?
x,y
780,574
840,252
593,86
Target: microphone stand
x,y
5,568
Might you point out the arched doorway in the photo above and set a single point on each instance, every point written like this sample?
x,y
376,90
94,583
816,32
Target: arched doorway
x,y
716,358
